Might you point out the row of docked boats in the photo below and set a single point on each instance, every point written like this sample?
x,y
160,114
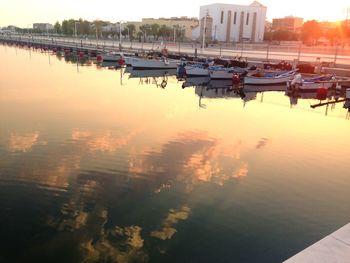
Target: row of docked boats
x,y
246,75
140,62
249,75
254,76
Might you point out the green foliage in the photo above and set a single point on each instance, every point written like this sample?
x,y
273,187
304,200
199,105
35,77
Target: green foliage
x,y
164,31
311,32
280,35
132,30
58,28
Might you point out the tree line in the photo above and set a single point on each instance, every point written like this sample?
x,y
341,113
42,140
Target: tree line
x,y
310,33
95,28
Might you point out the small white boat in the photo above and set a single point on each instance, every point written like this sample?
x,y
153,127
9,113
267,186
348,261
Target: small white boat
x,y
311,84
269,78
200,69
163,63
115,56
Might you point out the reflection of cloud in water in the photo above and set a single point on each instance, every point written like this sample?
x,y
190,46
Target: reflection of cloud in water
x,y
262,143
120,245
96,243
133,235
103,142
22,143
242,171
191,158
168,230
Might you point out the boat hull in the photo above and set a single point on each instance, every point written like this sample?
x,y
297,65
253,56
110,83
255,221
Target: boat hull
x,y
153,64
225,74
249,80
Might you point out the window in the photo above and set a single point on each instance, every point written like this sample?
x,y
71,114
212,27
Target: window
x,y
247,22
234,18
222,17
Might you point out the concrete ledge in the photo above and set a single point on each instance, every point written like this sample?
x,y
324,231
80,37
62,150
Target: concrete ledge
x,y
334,248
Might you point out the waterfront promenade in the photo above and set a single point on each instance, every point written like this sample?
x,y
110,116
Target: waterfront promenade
x,y
333,56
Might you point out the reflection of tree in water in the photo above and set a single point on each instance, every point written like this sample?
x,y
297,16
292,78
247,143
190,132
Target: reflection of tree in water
x,y
74,58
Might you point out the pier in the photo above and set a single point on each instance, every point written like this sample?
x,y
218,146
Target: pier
x,y
254,54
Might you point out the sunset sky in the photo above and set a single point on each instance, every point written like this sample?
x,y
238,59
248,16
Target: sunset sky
x,y
25,12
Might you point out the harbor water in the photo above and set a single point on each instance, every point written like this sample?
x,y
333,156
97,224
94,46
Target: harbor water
x,y
106,165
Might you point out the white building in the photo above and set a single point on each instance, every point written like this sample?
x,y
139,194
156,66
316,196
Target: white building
x,y
232,23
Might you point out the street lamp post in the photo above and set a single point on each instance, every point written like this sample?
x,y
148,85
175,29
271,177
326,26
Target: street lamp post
x,y
76,34
174,34
204,32
120,35
96,36
75,30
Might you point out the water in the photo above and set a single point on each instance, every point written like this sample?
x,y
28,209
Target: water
x,y
99,168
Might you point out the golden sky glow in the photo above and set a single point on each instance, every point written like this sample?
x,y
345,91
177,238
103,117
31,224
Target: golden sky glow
x,y
24,13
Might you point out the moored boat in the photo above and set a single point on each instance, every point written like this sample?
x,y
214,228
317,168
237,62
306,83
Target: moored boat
x,y
313,83
117,57
269,78
226,73
163,63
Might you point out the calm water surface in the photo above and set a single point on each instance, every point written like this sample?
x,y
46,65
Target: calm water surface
x,y
100,166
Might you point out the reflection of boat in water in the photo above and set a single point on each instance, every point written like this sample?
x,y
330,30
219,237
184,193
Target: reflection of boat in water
x,y
254,88
196,81
224,89
108,64
151,73
219,83
207,92
311,94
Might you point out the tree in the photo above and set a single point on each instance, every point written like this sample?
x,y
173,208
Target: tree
x,y
68,27
165,31
139,35
146,30
154,30
97,27
58,28
179,32
65,27
132,30
311,32
333,34
83,27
